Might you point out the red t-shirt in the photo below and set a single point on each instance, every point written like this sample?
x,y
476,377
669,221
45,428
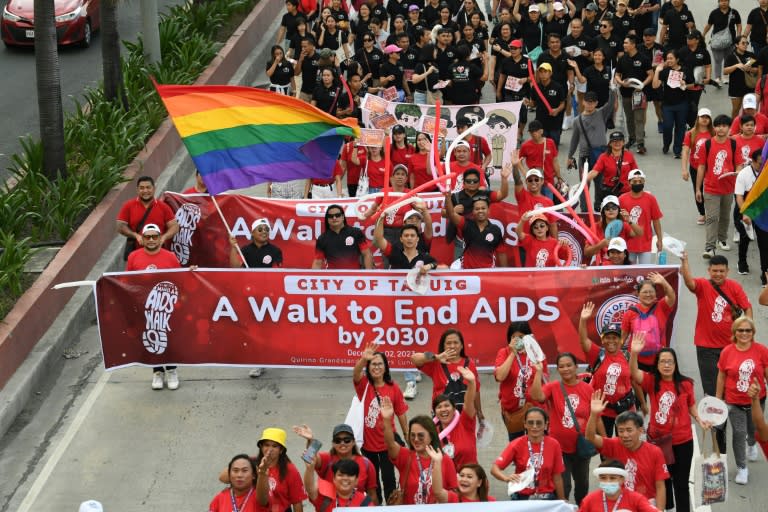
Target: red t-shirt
x,y
606,165
133,210
561,425
626,233
457,167
366,477
394,219
713,321
669,409
464,440
375,173
540,156
222,502
434,370
745,148
400,155
548,466
355,500
718,162
453,497
527,202
353,171
514,389
761,123
645,466
612,376
643,211
284,493
540,253
373,433
696,148
418,488
142,260
661,313
740,368
417,166
631,501
475,143
192,190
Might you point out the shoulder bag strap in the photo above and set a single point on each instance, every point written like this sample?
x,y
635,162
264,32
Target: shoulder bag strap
x,y
144,217
584,133
723,295
570,408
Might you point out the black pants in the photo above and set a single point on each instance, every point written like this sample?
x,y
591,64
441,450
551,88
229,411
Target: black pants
x,y
382,464
162,368
743,238
699,204
693,106
677,483
609,424
352,189
707,359
576,468
762,248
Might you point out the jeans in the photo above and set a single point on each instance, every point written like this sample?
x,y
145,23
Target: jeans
x,y
716,209
641,258
420,98
677,483
707,359
742,432
635,120
577,468
674,119
718,57
699,204
410,376
554,134
381,463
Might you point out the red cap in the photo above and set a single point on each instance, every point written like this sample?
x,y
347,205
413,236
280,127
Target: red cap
x,y
517,43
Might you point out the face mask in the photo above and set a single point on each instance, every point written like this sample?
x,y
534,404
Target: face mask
x,y
609,488
519,345
637,187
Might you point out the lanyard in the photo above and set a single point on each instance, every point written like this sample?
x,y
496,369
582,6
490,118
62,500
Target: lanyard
x,y
531,462
234,504
615,505
423,477
524,374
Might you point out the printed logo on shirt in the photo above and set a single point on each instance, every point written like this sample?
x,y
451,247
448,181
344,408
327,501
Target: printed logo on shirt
x,y
349,241
158,309
187,216
489,237
373,414
717,168
541,258
745,374
717,312
612,375
631,467
267,259
567,419
635,214
666,401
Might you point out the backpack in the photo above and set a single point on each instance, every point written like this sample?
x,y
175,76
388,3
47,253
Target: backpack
x,y
649,324
455,389
708,146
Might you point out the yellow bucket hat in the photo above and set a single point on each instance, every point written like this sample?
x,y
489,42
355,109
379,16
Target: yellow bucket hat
x,y
277,435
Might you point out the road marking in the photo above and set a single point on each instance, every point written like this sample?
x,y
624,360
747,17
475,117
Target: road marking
x,y
61,447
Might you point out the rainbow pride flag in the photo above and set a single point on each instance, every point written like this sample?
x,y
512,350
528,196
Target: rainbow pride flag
x,y
241,136
757,199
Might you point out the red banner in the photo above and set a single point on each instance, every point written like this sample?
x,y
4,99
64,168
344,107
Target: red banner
x,y
202,238
324,319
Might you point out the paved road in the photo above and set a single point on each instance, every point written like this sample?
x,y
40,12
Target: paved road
x,y
109,437
80,68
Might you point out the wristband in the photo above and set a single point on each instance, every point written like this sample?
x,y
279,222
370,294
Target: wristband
x,y
430,356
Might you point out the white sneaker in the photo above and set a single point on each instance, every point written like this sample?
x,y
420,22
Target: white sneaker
x,y
723,246
256,372
410,390
418,377
708,254
752,453
736,237
742,476
157,380
750,229
173,379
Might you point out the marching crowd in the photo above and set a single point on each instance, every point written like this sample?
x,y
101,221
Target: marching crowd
x,y
575,65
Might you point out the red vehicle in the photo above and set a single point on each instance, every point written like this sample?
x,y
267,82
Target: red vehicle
x,y
76,20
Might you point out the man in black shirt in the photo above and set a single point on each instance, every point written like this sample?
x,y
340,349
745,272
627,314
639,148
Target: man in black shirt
x,y
406,254
642,12
590,20
676,22
307,67
654,53
557,20
446,53
288,23
562,73
259,253
757,26
550,106
633,65
513,82
607,42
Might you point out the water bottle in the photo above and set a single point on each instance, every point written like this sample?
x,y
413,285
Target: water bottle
x,y
663,258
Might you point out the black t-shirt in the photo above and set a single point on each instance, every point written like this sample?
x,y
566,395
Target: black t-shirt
x,y
559,65
327,98
674,95
395,7
422,246
622,26
692,59
334,41
582,42
387,68
591,28
289,22
558,26
464,83
719,20
555,95
341,250
736,85
610,46
282,74
676,26
266,256
380,12
370,61
409,58
651,53
632,67
642,21
599,82
444,61
431,14
462,17
399,261
532,34
309,73
480,246
429,81
517,69
757,18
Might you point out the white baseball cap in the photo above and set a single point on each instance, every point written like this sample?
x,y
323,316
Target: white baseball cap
x,y
410,214
704,112
260,222
533,172
150,227
534,8
558,6
462,144
91,506
617,244
750,101
609,200
636,173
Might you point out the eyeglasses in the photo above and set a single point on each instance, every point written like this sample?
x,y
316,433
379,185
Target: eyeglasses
x,y
666,362
367,40
534,423
534,180
418,435
743,330
472,181
151,237
343,440
335,215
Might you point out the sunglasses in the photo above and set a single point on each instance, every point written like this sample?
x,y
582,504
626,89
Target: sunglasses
x,y
367,40
343,440
472,181
532,180
603,26
151,237
335,215
262,228
418,435
743,330
611,207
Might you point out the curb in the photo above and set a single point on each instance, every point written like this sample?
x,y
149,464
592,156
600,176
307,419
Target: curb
x,y
44,320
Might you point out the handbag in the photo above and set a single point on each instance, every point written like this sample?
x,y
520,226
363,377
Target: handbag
x,y
363,182
721,40
397,496
584,449
515,420
639,100
665,444
356,417
736,311
130,243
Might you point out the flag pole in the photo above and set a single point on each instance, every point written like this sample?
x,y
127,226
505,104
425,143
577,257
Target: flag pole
x,y
229,232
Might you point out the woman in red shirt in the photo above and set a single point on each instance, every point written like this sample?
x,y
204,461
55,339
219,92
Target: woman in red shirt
x,y
400,150
473,482
418,164
413,462
614,166
692,151
457,429
567,422
534,451
739,364
540,248
609,212
374,168
672,403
